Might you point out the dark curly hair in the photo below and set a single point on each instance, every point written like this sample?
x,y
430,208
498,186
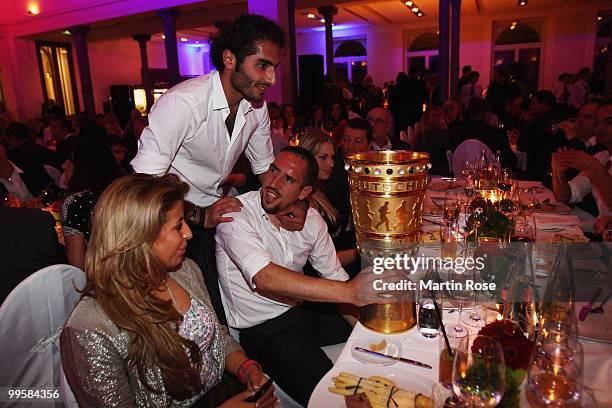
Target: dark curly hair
x,y
240,36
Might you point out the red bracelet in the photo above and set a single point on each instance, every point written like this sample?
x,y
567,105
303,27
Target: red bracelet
x,y
243,367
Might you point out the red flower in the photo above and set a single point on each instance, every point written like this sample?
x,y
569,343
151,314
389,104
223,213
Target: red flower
x,y
517,348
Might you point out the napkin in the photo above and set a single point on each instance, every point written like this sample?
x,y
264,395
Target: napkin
x,y
445,185
554,222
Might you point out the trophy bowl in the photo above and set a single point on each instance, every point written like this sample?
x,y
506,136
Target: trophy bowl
x,y
387,194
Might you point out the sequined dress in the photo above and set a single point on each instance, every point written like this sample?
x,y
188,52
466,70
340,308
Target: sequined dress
x,y
94,351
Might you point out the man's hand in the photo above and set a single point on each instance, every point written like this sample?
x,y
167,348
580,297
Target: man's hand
x,y
294,217
569,128
214,213
578,160
367,291
602,224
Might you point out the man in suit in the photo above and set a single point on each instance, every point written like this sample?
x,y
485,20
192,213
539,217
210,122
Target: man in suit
x,y
28,243
406,100
477,127
382,123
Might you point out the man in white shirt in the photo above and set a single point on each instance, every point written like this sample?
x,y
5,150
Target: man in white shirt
x,y
596,171
199,129
579,92
260,274
11,180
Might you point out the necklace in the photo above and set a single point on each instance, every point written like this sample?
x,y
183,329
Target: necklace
x,y
171,295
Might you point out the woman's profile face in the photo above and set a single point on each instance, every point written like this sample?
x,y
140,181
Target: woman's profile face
x,y
171,242
325,160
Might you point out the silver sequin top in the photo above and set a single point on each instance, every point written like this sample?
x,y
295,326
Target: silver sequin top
x,y
94,353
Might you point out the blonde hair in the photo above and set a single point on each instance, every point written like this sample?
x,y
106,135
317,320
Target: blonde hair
x,y
312,140
123,271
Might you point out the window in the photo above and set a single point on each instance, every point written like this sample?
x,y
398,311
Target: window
x,y
423,53
350,60
600,59
57,74
517,51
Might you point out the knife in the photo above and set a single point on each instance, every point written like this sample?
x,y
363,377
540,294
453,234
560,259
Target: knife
x,y
405,360
584,312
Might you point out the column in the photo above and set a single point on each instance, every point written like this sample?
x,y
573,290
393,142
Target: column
x,y
443,48
454,54
168,17
79,33
281,12
144,66
328,13
608,73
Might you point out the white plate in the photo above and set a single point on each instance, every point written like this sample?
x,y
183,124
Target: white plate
x,y
392,349
322,398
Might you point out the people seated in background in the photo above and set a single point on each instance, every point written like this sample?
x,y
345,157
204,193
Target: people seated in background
x,y
28,243
90,169
370,94
315,117
432,136
382,124
471,90
63,137
337,114
540,138
595,171
464,79
356,137
476,127
260,273
15,186
452,113
581,133
118,147
145,334
579,92
339,223
561,90
30,157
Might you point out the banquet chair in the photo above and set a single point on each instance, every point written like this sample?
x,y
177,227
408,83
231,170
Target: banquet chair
x,y
469,150
31,319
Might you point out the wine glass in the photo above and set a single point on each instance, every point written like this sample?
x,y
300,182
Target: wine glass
x,y
476,217
554,378
505,180
457,297
451,206
479,372
524,229
467,168
527,198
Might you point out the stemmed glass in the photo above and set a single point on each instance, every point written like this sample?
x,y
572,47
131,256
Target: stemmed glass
x,y
527,198
479,372
457,297
505,180
467,168
451,206
476,217
524,229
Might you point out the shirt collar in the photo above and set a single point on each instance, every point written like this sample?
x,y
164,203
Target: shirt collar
x,y
16,170
219,99
386,146
592,141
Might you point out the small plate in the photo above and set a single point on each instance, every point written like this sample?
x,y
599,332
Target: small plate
x,y
393,349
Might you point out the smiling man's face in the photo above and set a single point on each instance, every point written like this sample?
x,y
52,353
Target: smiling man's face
x,y
257,72
283,183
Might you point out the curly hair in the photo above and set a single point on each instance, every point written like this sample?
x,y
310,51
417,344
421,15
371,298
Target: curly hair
x,y
122,272
240,37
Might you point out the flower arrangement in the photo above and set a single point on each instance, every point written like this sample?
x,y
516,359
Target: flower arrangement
x,y
492,222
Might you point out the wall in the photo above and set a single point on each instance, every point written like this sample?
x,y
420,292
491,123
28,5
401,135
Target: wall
x,y
568,41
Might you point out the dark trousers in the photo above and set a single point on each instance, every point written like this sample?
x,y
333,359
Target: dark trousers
x,y
289,348
201,248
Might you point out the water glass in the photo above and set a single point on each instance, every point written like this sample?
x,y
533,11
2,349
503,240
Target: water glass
x,y
427,319
446,361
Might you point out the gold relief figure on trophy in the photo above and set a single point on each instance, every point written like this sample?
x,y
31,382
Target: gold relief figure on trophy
x,y
366,216
383,211
402,213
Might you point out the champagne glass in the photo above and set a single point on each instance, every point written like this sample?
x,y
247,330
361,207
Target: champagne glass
x,y
479,372
505,180
467,168
457,297
528,200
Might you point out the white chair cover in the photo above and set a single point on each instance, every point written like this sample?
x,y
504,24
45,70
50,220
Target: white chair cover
x,y
31,319
449,160
469,150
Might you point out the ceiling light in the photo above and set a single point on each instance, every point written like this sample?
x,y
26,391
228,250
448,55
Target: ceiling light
x,y
322,20
163,36
413,7
33,9
599,18
408,3
522,2
184,39
66,32
311,16
419,14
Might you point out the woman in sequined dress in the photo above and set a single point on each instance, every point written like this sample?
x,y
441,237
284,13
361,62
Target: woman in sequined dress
x,y
145,334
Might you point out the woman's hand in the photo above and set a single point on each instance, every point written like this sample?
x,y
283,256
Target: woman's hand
x,y
268,400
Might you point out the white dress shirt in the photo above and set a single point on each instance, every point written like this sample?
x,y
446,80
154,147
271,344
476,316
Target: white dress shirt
x,y
15,185
250,242
387,146
187,136
581,185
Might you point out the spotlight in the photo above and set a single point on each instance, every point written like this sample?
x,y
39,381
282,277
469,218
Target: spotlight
x,y
415,9
522,3
311,16
408,3
599,18
33,9
322,20
163,36
184,39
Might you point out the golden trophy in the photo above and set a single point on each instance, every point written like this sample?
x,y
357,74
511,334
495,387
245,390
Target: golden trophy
x,y
387,196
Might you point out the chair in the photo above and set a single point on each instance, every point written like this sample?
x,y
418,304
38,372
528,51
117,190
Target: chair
x,y
31,319
469,150
449,160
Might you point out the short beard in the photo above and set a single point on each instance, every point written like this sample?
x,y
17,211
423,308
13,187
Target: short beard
x,y
242,83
